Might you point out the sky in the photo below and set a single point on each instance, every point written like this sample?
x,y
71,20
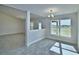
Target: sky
x,y
65,22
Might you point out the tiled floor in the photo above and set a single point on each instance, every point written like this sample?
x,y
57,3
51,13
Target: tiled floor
x,y
12,41
40,48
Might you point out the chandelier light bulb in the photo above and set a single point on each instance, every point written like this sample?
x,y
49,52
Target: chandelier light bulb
x,y
51,14
48,15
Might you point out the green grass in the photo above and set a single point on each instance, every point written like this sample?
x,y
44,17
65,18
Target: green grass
x,y
64,31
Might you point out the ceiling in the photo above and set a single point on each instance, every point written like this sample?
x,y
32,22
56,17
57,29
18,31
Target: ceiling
x,y
42,9
12,12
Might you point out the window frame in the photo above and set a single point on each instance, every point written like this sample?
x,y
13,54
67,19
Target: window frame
x,y
59,27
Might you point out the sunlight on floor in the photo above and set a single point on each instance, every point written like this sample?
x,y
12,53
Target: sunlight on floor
x,y
66,49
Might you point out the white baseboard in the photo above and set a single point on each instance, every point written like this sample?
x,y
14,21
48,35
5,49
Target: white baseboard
x,y
28,44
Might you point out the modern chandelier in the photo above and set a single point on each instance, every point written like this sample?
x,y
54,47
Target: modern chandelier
x,y
50,15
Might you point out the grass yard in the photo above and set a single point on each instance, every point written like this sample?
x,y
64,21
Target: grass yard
x,y
64,31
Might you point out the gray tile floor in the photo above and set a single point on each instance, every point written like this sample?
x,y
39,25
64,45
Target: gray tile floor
x,y
14,45
12,41
40,48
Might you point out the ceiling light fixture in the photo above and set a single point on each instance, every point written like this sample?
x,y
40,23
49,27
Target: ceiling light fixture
x,y
50,15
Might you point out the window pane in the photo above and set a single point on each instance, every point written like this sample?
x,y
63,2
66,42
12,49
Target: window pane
x,y
54,27
65,28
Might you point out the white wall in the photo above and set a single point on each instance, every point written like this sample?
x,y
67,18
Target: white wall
x,y
27,27
33,35
36,35
78,33
10,25
73,39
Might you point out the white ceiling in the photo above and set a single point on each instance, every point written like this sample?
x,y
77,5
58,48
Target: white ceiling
x,y
15,12
42,9
12,12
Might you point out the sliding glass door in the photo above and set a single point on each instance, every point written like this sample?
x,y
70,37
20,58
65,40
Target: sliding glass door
x,y
61,27
65,28
54,27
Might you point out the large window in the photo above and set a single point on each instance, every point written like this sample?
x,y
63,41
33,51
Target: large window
x,y
54,27
61,27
